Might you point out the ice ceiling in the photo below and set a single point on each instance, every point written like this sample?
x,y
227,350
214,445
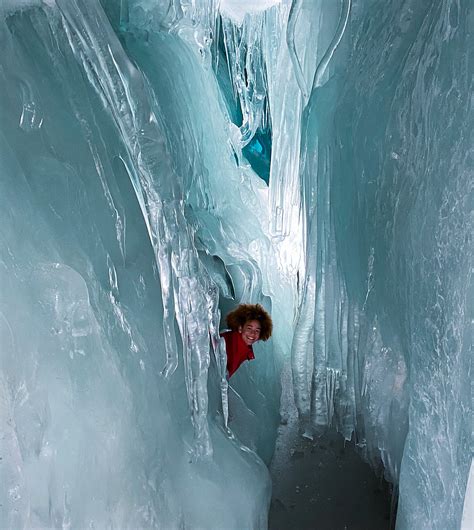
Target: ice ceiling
x,y
161,161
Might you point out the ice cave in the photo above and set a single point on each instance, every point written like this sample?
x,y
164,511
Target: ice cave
x,y
162,161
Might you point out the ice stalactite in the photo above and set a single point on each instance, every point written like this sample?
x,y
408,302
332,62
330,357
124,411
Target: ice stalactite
x,y
185,284
243,46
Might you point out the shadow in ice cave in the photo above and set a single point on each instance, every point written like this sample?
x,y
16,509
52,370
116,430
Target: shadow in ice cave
x,y
323,484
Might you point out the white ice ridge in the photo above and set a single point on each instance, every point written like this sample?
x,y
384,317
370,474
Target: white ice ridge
x,y
237,9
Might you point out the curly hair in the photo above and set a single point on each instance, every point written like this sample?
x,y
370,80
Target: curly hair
x,y
245,312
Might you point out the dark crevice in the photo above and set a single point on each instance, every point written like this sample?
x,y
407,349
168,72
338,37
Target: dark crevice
x,y
259,150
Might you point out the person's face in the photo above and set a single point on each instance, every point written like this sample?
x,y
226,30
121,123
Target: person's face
x,y
250,331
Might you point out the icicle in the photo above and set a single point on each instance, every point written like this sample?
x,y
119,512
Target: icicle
x,y
319,405
301,350
184,281
218,348
221,357
243,47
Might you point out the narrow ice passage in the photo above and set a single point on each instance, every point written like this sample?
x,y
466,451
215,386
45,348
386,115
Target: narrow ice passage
x,y
162,161
323,482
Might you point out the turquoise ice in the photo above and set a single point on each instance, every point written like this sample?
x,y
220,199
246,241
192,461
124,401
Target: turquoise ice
x,y
162,160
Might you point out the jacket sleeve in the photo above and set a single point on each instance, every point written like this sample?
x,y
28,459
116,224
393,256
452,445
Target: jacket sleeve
x,y
232,359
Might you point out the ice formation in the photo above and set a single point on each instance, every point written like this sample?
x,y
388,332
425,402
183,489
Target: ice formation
x,y
162,160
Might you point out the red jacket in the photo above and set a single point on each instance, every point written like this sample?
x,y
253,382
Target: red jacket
x,y
237,350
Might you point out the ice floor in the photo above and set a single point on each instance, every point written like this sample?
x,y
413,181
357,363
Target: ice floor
x,y
323,484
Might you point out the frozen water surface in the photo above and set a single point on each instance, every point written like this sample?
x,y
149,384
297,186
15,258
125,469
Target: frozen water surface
x,y
163,160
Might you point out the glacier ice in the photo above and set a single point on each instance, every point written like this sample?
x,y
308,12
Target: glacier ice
x,y
132,217
94,433
384,323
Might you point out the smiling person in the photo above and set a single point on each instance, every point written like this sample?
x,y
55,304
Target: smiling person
x,y
248,323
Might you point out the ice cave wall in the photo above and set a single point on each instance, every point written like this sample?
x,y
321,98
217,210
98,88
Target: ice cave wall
x,y
95,250
388,178
125,196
